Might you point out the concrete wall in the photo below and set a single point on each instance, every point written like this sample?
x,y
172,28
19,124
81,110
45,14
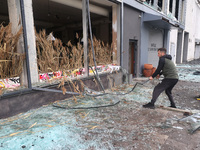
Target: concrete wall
x,y
132,31
197,21
152,38
155,41
189,27
197,32
192,26
144,44
197,52
22,102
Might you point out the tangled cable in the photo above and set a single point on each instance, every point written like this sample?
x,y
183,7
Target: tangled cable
x,y
86,91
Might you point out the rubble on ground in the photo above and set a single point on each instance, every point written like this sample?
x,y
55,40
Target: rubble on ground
x,y
123,125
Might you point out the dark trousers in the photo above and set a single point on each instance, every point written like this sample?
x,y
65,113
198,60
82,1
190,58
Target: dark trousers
x,y
167,86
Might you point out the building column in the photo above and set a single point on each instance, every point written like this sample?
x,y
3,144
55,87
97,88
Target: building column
x,y
180,11
174,8
118,34
155,4
85,36
114,33
15,20
165,7
15,16
184,3
31,40
166,39
179,52
185,47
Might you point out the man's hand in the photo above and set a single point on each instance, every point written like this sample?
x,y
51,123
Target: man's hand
x,y
150,78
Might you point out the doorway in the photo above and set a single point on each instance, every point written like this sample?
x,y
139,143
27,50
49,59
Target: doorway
x,y
185,46
133,57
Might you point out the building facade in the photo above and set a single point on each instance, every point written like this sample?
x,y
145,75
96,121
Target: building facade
x,y
159,23
135,28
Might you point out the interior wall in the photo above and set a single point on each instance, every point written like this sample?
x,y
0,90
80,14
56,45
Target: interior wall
x,y
4,12
65,20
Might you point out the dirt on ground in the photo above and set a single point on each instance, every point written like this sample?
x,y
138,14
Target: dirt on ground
x,y
151,129
143,129
185,93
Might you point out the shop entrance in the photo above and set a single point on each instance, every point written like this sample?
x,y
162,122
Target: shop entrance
x,y
133,57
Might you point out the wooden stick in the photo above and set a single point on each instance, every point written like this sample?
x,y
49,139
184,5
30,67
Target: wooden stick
x,y
189,112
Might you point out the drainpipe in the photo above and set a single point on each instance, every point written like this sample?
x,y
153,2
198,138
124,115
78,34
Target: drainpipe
x,y
122,32
25,43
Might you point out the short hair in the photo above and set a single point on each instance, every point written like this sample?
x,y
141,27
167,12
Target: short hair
x,y
162,50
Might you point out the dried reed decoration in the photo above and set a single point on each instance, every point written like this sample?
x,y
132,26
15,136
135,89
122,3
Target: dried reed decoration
x,y
103,52
53,56
11,61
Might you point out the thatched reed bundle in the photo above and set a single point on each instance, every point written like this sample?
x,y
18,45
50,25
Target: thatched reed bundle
x,y
53,56
103,52
11,61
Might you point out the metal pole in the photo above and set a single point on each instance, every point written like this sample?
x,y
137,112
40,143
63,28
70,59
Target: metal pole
x,y
91,37
15,93
53,90
25,43
122,32
85,36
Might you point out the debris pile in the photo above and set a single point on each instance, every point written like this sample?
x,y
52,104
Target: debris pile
x,y
189,72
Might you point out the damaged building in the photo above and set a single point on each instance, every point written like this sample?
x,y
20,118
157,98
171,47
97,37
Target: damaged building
x,y
133,29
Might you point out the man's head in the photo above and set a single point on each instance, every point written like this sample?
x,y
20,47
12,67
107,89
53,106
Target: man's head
x,y
161,52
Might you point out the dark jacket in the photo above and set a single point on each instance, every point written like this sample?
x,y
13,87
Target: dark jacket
x,y
166,67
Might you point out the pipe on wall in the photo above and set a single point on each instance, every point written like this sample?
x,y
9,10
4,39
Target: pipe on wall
x,y
122,32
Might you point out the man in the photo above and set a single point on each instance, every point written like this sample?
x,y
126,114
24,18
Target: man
x,y
168,69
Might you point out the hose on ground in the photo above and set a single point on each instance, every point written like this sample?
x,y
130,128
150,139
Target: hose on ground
x,y
109,105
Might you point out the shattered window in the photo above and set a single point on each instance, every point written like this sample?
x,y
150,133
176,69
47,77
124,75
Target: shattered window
x,y
59,41
150,2
160,5
171,6
11,54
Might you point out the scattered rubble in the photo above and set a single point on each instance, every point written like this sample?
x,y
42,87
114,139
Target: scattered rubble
x,y
125,125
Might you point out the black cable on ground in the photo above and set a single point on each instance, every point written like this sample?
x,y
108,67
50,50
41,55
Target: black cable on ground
x,y
119,93
96,74
91,107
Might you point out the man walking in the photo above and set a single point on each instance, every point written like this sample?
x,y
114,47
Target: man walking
x,y
168,69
